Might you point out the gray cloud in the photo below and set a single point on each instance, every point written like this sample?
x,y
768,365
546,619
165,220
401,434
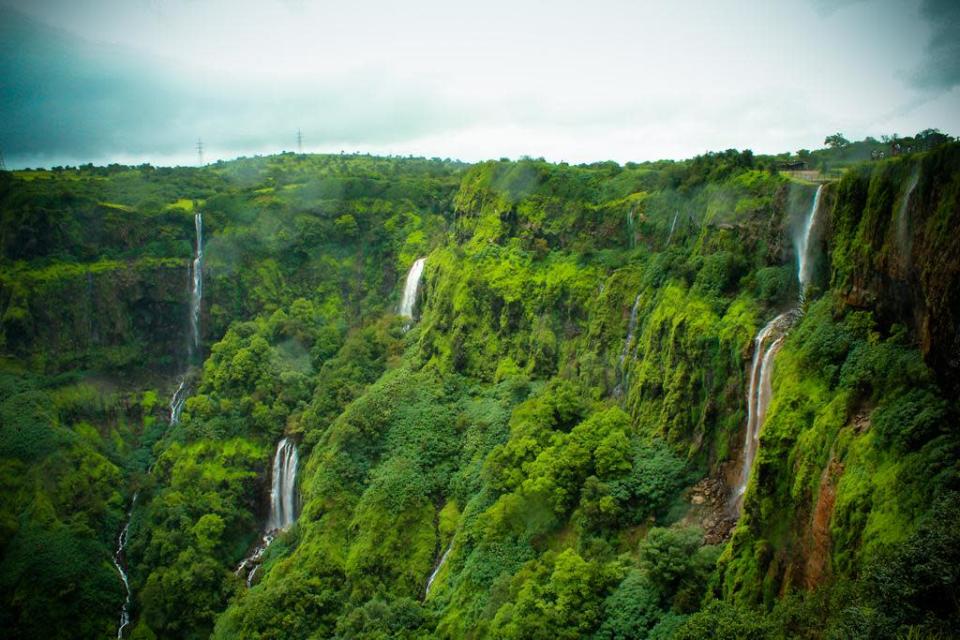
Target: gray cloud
x,y
826,7
63,96
941,69
141,80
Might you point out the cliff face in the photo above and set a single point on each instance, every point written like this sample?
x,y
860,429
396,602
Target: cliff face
x,y
95,262
102,316
567,402
860,438
895,250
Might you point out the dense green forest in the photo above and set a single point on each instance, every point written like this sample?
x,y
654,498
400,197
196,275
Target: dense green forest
x,y
548,448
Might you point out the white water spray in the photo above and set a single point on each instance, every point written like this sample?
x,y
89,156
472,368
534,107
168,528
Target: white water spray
x,y
410,289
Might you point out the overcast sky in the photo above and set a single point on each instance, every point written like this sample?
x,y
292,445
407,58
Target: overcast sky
x,y
142,80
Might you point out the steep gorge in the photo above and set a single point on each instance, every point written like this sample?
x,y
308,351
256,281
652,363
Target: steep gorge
x,y
519,461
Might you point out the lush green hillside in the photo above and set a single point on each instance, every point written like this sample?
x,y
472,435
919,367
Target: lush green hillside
x,y
562,424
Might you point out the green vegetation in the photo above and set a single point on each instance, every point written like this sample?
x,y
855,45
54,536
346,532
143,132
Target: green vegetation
x,y
513,429
62,450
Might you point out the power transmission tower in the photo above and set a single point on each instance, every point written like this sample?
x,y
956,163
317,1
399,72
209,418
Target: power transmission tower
x,y
200,152
299,142
3,165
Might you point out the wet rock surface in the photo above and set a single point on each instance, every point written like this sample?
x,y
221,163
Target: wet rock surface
x,y
709,500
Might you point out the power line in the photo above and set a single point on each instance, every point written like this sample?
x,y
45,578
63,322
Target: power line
x,y
200,152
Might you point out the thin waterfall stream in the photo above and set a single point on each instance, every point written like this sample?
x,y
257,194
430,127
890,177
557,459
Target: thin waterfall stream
x,y
765,347
119,562
903,220
177,401
196,294
436,570
621,360
673,226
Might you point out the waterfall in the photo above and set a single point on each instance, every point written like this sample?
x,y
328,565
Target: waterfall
x,y
621,361
251,563
765,390
410,290
196,293
765,348
903,218
436,570
196,301
673,225
283,506
631,235
120,563
177,400
176,409
802,245
283,487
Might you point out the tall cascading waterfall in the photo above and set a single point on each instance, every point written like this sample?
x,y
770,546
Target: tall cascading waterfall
x,y
802,246
196,293
765,348
621,361
196,303
409,299
283,505
176,409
